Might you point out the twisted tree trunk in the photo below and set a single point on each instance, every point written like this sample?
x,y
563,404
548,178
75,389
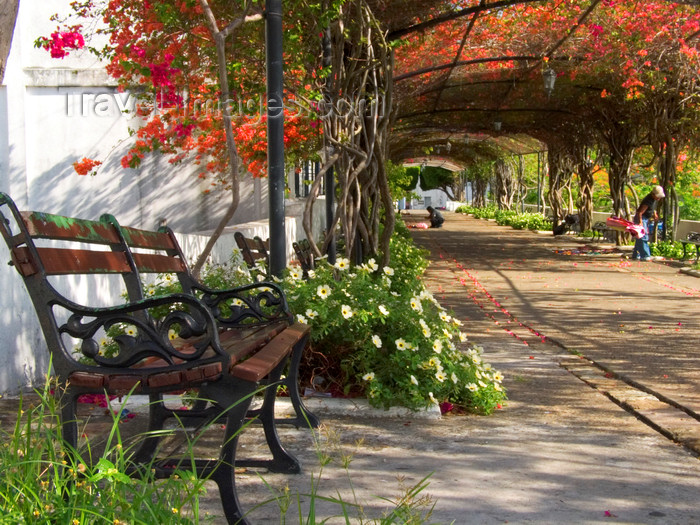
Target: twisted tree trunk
x,y
356,113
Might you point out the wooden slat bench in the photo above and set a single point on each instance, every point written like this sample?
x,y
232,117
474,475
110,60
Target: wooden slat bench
x,y
305,255
254,251
224,344
692,239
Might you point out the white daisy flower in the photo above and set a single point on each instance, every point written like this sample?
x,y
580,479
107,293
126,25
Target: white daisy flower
x,y
377,341
383,309
414,380
369,376
401,344
301,319
388,271
342,264
323,291
346,311
415,304
434,361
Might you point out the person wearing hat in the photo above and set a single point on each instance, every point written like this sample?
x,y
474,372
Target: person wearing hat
x,y
645,212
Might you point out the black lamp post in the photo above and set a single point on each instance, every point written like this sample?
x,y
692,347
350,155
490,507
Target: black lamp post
x,y
275,134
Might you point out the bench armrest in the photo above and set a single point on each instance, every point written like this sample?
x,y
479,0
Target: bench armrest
x,y
243,306
147,338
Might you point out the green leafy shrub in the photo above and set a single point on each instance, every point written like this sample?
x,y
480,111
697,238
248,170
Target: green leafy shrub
x,y
488,212
667,249
465,208
378,332
522,221
517,220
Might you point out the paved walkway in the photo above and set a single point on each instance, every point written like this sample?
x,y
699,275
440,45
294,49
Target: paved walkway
x,y
563,449
638,323
581,439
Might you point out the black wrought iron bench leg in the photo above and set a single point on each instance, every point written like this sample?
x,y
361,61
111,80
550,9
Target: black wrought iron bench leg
x,y
157,415
234,398
69,419
304,418
282,461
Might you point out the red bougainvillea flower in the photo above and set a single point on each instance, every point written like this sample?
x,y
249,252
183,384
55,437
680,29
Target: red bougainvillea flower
x,y
85,166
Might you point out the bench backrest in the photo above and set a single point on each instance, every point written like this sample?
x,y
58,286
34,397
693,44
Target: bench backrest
x,y
43,245
153,252
253,250
160,253
305,255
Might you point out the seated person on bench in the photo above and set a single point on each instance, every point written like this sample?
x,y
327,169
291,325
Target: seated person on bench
x,y
436,218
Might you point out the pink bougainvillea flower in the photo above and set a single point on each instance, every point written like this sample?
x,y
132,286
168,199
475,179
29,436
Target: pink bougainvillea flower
x,y
446,407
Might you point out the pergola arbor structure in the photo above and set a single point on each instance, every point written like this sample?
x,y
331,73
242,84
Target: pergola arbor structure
x,y
469,82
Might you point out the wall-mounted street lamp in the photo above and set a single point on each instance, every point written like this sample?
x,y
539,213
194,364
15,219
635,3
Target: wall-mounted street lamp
x,y
497,125
550,77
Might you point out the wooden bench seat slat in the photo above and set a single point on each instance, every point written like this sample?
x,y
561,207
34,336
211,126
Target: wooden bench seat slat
x,y
61,261
238,343
241,343
125,383
49,226
262,362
